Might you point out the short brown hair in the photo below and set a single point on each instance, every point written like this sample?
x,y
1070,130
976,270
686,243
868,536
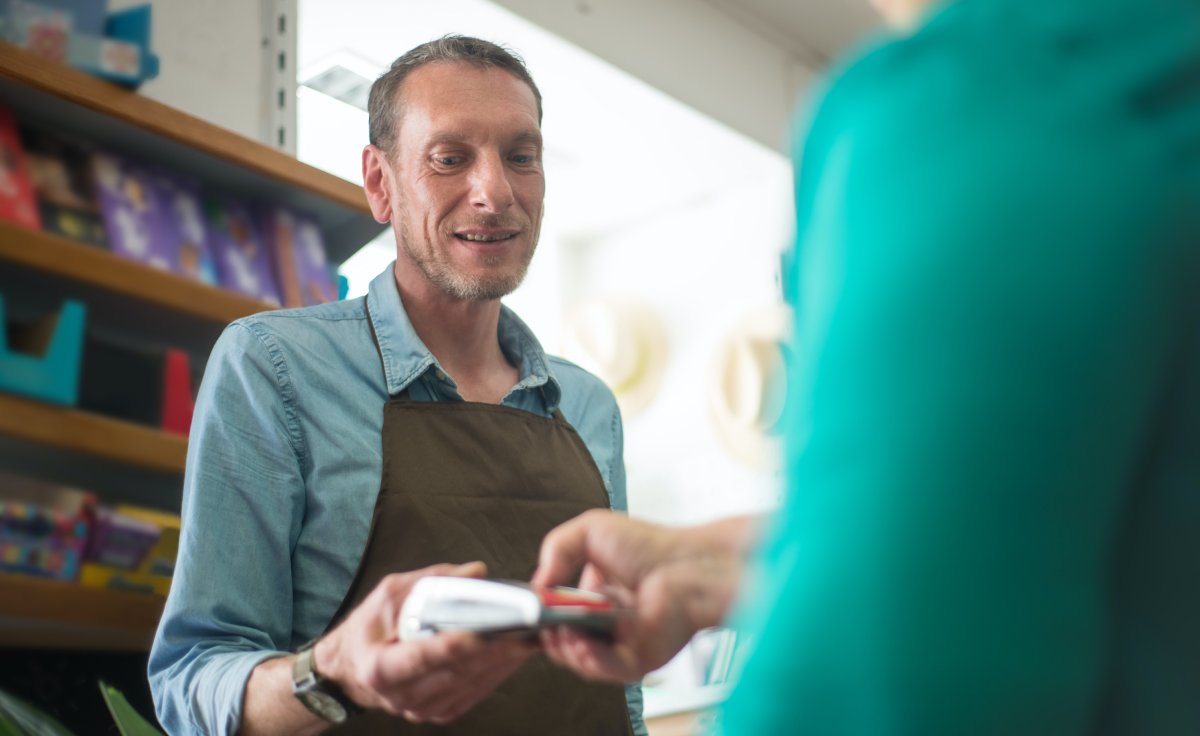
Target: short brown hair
x,y
383,104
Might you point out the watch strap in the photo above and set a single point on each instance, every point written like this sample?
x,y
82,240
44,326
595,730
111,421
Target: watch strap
x,y
305,678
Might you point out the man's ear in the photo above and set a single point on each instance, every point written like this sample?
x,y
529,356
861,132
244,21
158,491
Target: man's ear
x,y
375,167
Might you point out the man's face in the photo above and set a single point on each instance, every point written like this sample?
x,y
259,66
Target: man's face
x,y
467,183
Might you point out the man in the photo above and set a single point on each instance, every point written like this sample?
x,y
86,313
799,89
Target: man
x,y
993,524
336,448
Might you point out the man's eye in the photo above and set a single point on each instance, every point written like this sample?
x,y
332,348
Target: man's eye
x,y
521,158
448,160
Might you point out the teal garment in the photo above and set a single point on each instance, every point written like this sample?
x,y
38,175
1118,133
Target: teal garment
x,y
993,521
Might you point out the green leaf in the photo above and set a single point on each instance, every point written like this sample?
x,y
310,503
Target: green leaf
x,y
129,721
7,727
19,718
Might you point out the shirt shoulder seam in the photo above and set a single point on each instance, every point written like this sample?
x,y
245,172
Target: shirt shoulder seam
x,y
283,382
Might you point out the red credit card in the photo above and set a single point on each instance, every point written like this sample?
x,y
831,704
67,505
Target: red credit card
x,y
561,596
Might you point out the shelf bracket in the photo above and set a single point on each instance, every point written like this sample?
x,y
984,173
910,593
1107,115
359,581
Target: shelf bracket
x,y
279,73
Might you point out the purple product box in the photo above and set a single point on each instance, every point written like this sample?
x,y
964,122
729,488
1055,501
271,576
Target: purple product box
x,y
298,254
138,224
317,285
120,541
243,263
183,207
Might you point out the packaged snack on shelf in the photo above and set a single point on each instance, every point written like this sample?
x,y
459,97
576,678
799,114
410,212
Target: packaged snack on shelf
x,y
43,527
181,200
81,16
298,254
62,181
134,550
41,28
146,384
119,541
135,215
17,201
243,263
85,35
178,397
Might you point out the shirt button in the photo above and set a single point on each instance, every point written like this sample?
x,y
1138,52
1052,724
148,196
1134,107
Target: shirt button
x,y
441,375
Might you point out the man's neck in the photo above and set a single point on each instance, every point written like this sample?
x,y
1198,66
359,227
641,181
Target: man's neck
x,y
462,335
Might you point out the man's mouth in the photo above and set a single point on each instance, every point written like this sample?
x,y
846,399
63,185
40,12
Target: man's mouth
x,y
476,237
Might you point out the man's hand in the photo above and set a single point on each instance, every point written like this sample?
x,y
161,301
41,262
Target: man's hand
x,y
675,581
435,679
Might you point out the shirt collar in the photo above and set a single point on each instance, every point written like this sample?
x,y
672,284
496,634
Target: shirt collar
x,y
405,356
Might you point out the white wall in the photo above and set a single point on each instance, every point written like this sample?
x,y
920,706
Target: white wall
x,y
701,269
693,51
211,61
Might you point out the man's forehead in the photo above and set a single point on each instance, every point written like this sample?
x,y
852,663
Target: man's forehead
x,y
456,82
460,102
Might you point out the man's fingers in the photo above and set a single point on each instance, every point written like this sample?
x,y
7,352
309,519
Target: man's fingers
x,y
401,663
475,569
430,677
469,686
465,673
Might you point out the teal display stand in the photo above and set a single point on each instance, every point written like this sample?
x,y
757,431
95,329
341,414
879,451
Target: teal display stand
x,y
44,359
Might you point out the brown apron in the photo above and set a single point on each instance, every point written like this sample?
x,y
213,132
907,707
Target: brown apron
x,y
467,481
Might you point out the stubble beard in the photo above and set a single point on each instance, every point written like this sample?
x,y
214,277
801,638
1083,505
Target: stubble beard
x,y
438,270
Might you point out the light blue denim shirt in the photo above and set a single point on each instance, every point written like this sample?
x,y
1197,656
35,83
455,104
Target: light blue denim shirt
x,y
283,467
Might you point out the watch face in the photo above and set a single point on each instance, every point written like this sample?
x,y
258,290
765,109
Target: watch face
x,y
324,705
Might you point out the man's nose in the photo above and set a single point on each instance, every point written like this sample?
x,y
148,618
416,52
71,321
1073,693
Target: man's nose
x,y
491,191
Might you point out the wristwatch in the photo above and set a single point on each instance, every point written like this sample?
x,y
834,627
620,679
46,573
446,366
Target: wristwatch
x,y
319,695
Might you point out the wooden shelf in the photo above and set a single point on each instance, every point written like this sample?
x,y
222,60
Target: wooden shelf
x,y
70,101
39,613
90,265
79,431
130,301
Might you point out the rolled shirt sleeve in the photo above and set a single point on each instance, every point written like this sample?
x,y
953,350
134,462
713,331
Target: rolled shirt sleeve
x,y
230,605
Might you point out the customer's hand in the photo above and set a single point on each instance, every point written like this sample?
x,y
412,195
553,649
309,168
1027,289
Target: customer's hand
x,y
674,581
435,679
